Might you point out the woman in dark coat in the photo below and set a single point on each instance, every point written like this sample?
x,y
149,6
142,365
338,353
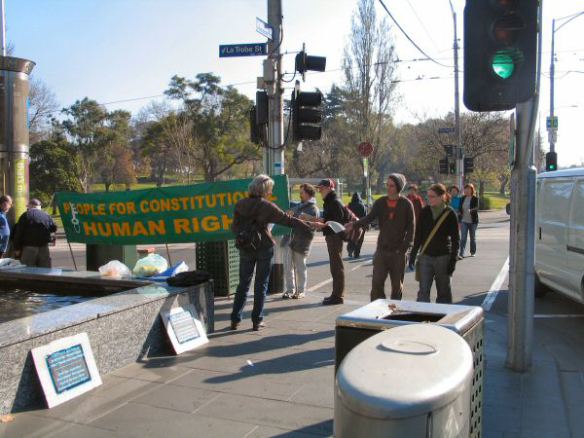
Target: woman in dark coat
x,y
469,213
258,212
358,208
438,260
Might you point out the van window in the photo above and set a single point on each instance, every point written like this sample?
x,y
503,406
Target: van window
x,y
556,200
577,210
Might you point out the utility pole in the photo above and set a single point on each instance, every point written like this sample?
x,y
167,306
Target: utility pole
x,y
274,153
459,153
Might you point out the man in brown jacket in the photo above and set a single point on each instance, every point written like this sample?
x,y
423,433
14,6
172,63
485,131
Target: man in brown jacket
x,y
395,215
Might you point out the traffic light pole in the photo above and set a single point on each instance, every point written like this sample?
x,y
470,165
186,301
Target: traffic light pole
x,y
522,233
274,153
459,154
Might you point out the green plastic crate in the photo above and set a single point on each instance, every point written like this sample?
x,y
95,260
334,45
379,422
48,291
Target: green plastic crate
x,y
221,260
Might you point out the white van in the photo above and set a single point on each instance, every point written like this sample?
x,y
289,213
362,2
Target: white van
x,y
559,233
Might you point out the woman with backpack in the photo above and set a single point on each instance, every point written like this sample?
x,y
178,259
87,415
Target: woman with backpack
x,y
256,245
436,245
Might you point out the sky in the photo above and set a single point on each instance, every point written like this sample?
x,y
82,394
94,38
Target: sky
x,y
123,53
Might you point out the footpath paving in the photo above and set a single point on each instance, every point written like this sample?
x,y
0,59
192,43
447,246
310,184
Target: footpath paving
x,y
279,382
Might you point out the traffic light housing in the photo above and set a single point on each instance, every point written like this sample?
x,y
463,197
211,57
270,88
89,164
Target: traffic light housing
x,y
452,168
468,165
258,118
443,163
551,161
306,115
500,56
261,107
305,62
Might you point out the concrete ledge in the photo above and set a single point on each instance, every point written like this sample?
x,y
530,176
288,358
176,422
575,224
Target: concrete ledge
x,y
123,328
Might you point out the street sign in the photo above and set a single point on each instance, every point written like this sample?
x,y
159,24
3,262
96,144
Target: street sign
x,y
251,49
446,130
264,29
551,122
365,149
553,136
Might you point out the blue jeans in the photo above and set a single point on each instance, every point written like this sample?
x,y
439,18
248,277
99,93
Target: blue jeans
x,y
247,263
471,229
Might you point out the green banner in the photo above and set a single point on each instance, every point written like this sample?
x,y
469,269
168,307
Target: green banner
x,y
177,214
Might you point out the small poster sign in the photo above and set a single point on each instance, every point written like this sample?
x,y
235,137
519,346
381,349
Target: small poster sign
x,y
184,329
66,368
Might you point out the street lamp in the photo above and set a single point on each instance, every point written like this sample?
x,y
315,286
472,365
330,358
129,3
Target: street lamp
x,y
553,127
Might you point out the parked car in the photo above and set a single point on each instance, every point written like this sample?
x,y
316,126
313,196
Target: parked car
x,y
559,240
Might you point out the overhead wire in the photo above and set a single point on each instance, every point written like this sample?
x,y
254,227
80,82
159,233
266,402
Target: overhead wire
x,y
410,39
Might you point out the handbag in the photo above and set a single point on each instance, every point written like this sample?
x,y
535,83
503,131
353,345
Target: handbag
x,y
427,242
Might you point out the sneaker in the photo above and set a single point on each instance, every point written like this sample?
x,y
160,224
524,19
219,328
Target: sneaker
x,y
234,325
473,254
298,295
459,257
350,254
288,295
332,300
258,325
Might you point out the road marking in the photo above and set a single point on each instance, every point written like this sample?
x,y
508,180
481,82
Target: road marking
x,y
576,315
496,286
322,283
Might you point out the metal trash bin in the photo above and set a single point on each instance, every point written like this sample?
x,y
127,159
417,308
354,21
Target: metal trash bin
x,y
414,381
468,321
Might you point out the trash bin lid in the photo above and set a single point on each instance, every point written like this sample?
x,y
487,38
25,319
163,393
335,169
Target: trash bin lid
x,y
405,372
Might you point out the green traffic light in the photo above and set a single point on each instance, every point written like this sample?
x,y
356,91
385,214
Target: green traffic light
x,y
502,64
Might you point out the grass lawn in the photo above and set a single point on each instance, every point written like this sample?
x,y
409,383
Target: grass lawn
x,y
496,201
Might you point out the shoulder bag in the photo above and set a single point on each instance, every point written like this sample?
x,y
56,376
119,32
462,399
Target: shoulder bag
x,y
427,242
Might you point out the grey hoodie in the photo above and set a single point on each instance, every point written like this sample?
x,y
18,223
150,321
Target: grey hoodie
x,y
301,239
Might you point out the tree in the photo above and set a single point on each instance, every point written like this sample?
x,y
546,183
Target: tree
x,y
85,128
42,107
53,168
220,125
369,69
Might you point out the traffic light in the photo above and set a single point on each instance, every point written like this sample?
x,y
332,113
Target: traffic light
x,y
468,165
452,168
305,62
443,166
551,161
306,115
500,58
261,107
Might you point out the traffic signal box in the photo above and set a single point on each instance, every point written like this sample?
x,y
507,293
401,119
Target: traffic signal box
x,y
551,161
306,115
468,165
258,118
500,42
443,163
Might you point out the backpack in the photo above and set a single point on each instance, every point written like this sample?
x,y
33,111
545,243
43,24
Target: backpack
x,y
355,234
248,238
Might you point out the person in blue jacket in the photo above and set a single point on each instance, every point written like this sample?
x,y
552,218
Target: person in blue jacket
x,y
5,205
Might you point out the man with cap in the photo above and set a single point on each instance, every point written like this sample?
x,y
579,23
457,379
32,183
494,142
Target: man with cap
x,y
32,237
333,210
395,215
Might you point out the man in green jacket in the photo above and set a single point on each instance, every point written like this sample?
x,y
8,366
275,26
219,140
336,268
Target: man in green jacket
x,y
395,215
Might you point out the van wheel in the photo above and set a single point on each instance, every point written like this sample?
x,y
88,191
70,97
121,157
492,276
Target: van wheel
x,y
508,208
540,289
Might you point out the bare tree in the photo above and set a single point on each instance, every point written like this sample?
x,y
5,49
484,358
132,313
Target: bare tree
x,y
43,106
370,72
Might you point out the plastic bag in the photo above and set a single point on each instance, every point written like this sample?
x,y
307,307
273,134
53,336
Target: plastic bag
x,y
150,265
171,272
115,269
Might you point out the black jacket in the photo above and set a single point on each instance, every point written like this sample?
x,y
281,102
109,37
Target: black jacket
x,y
356,206
333,210
474,207
34,228
446,241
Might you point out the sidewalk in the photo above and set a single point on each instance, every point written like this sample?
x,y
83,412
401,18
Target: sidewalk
x,y
279,382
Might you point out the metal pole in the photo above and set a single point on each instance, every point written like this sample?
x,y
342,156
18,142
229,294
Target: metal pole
x,y
3,28
522,245
552,71
459,153
274,153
